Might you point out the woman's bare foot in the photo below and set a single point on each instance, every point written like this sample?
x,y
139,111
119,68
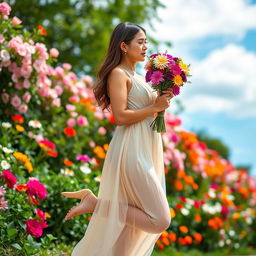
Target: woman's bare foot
x,y
87,205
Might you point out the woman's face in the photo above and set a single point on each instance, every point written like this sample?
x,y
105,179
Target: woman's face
x,y
136,50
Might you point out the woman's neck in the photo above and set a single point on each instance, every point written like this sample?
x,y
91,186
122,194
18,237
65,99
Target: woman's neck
x,y
128,65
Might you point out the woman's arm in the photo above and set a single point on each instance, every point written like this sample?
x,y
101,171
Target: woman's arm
x,y
117,89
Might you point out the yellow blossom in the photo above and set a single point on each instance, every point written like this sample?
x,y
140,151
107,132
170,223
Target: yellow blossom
x,y
160,62
29,166
19,128
20,156
177,80
183,66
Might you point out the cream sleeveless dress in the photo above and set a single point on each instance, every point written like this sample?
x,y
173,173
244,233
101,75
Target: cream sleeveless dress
x,y
132,174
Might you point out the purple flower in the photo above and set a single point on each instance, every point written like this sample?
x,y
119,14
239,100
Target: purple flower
x,y
176,90
183,76
154,55
175,70
148,75
157,77
169,76
83,158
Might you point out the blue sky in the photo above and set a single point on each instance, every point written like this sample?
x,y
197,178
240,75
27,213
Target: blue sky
x,y
218,39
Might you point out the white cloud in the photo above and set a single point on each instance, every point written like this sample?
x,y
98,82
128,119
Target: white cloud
x,y
223,82
195,19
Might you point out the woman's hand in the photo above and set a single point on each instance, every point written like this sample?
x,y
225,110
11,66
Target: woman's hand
x,y
162,102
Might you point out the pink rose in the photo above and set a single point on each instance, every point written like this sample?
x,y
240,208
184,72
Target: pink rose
x,y
87,79
23,108
73,113
102,130
70,107
15,101
58,90
26,71
71,122
15,21
66,66
5,10
26,83
82,121
74,98
54,52
5,97
26,97
19,85
56,102
1,38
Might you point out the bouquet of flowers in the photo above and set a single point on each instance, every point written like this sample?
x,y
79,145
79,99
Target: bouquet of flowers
x,y
165,71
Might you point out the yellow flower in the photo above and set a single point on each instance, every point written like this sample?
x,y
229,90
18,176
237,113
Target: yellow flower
x,y
172,212
48,215
160,62
21,157
183,65
178,80
29,166
19,128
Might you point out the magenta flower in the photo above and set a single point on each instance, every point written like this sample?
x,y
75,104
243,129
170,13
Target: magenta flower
x,y
9,178
48,143
157,77
175,70
83,158
148,75
35,227
176,90
36,188
183,76
40,214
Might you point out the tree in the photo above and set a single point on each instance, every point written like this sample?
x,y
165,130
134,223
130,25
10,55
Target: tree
x,y
80,29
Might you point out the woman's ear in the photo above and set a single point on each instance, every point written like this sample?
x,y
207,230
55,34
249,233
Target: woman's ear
x,y
123,46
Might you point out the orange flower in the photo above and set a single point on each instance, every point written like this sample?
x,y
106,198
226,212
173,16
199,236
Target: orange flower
x,y
172,237
19,128
198,217
98,150
165,241
18,119
195,186
183,229
198,237
68,163
105,146
28,166
181,174
243,191
69,131
215,223
189,179
188,239
182,240
160,247
42,30
178,185
236,215
172,212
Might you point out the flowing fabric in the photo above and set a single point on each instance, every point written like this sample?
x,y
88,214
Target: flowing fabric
x,y
132,180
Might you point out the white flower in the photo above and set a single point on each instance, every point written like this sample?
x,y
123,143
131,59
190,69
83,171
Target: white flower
x,y
228,241
184,211
237,245
67,172
221,243
85,168
231,232
5,165
6,125
211,193
7,150
34,124
98,178
4,55
248,220
230,197
188,206
222,232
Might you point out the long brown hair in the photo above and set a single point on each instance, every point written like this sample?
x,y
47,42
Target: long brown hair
x,y
123,32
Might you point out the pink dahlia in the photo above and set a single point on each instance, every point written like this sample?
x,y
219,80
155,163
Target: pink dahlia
x,y
35,227
36,188
175,70
9,178
157,77
83,158
40,214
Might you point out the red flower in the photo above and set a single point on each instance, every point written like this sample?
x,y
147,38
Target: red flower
x,y
70,131
183,199
35,227
111,118
9,178
52,153
40,214
35,188
18,119
42,30
179,206
21,187
47,143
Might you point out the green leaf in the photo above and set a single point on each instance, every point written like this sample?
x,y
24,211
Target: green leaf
x,y
12,232
17,246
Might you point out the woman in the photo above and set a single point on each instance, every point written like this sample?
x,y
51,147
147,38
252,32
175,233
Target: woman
x,y
131,210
